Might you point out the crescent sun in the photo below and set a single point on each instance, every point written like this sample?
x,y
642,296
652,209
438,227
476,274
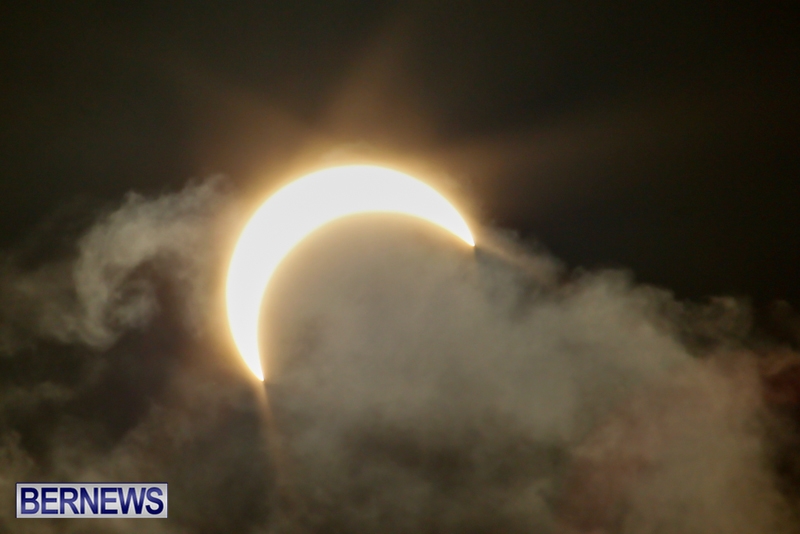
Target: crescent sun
x,y
303,206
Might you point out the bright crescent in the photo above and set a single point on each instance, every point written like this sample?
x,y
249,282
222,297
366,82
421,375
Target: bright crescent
x,y
301,207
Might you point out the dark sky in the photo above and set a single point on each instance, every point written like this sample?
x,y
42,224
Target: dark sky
x,y
658,136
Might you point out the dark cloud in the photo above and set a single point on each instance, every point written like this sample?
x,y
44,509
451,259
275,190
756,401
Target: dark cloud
x,y
415,386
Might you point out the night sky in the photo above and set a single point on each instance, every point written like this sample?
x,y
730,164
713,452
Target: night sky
x,y
626,163
660,136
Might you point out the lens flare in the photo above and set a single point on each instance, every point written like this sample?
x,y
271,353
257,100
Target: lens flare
x,y
303,206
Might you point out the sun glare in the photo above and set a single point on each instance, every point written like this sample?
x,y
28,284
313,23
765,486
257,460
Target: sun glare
x,y
301,207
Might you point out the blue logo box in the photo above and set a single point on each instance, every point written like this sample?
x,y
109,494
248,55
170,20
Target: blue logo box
x,y
99,500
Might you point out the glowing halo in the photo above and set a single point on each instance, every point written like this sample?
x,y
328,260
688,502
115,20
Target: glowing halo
x,y
303,206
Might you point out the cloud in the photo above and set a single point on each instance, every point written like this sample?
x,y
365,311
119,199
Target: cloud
x,y
417,386
94,297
